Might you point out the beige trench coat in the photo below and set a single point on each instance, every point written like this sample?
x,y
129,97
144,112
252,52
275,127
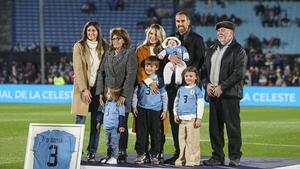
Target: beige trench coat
x,y
82,72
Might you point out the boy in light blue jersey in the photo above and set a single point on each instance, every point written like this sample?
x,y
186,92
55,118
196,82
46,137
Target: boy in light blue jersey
x,y
113,123
149,109
188,112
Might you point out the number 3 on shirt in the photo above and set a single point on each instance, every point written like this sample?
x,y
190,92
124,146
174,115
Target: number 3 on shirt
x,y
185,97
148,91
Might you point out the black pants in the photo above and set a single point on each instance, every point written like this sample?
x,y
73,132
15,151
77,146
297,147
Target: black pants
x,y
148,121
162,142
123,142
225,111
172,90
94,133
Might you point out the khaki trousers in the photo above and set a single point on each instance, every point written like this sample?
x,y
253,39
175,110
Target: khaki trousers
x,y
189,144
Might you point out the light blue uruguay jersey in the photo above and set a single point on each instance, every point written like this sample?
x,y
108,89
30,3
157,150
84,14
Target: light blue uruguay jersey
x,y
111,114
144,98
53,149
178,50
189,102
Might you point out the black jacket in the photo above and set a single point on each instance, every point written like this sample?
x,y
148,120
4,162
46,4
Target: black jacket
x,y
195,46
232,70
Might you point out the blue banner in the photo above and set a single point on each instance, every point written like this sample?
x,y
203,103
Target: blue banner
x,y
36,93
253,96
271,96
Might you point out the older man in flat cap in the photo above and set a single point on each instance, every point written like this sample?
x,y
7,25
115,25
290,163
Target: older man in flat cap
x,y
223,75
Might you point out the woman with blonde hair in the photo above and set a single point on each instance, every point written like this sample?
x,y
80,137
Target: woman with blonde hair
x,y
155,35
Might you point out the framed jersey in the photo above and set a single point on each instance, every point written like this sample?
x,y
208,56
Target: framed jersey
x,y
54,146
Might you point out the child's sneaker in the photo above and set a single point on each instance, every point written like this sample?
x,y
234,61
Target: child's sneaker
x,y
112,160
140,159
104,160
90,157
155,159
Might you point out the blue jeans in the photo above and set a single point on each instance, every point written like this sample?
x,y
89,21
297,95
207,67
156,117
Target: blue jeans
x,y
112,142
94,133
80,119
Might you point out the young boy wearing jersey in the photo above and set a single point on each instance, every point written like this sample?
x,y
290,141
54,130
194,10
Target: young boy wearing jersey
x,y
113,123
188,111
149,109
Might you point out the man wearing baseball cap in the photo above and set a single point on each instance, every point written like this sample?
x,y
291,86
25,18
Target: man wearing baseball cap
x,y
223,75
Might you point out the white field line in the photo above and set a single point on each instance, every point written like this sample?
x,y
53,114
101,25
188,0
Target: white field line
x,y
290,167
259,144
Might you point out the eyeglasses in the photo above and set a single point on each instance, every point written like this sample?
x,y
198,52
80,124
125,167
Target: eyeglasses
x,y
116,38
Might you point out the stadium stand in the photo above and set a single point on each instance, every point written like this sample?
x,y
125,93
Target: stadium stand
x,y
64,20
5,20
252,23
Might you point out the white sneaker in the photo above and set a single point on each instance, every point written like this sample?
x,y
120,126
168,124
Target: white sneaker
x,y
104,160
112,160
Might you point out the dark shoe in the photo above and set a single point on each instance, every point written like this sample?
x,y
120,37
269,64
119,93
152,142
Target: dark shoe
x,y
213,162
122,158
234,163
172,159
90,157
147,158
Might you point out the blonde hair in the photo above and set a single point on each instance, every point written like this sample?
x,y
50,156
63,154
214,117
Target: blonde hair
x,y
115,93
160,33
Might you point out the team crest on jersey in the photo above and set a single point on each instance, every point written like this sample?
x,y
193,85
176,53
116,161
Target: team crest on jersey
x,y
192,92
107,112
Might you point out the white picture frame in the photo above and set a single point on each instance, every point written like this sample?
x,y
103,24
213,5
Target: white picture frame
x,y
76,130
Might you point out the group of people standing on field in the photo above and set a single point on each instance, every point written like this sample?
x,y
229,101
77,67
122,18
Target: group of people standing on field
x,y
113,79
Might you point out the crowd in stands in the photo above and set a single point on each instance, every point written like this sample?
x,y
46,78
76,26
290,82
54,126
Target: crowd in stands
x,y
116,5
33,48
270,69
272,16
88,7
254,42
211,20
13,72
152,18
218,2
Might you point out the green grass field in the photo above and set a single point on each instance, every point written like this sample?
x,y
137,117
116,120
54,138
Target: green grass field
x,y
266,131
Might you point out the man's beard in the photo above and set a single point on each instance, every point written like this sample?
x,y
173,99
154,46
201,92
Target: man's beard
x,y
181,29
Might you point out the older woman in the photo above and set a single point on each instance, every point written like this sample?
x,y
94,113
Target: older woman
x,y
118,69
87,55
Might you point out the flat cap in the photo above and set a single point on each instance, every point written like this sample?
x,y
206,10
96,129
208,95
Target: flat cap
x,y
225,24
